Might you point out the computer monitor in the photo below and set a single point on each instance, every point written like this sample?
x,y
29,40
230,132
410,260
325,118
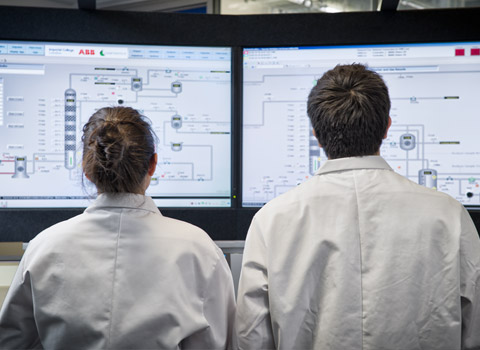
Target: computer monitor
x,y
434,138
48,90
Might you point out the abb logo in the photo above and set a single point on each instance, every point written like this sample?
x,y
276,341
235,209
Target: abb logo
x,y
87,52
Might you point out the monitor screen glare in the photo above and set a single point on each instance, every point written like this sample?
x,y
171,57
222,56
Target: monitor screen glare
x,y
434,138
49,90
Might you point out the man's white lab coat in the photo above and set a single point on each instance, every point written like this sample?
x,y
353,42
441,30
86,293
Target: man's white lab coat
x,y
359,257
120,276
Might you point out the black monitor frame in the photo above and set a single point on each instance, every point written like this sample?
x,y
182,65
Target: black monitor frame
x,y
388,27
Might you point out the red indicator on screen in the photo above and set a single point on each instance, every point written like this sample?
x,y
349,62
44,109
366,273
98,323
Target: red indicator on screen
x,y
475,52
459,52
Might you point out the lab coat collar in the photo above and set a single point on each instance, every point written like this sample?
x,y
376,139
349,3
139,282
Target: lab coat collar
x,y
124,200
351,163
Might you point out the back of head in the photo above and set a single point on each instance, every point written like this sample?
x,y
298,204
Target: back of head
x,y
349,111
118,144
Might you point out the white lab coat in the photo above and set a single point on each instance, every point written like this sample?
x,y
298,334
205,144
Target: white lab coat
x,y
120,276
359,257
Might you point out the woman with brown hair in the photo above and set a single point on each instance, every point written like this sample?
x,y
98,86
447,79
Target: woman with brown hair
x,y
120,275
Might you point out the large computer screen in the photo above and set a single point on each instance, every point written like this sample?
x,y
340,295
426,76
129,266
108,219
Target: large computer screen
x,y
49,90
434,138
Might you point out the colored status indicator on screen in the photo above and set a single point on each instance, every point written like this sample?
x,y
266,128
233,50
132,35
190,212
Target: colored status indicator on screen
x,y
70,160
475,52
316,163
459,52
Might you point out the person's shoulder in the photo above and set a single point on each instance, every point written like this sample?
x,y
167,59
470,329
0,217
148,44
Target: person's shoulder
x,y
59,228
294,197
421,190
55,235
183,227
424,198
189,234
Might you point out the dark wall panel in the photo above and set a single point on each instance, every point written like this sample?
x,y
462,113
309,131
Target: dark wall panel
x,y
255,30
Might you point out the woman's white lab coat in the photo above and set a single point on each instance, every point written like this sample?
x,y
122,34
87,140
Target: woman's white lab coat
x,y
120,276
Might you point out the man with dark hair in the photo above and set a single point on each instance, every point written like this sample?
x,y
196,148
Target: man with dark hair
x,y
359,257
349,111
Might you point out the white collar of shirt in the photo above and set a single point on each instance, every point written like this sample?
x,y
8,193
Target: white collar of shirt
x,y
352,163
124,200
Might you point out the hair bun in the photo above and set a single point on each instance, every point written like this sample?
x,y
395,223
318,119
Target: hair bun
x,y
118,146
109,144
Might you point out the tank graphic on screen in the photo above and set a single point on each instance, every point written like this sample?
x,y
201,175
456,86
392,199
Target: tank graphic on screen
x,y
20,168
70,128
137,84
428,178
177,146
407,142
176,121
176,87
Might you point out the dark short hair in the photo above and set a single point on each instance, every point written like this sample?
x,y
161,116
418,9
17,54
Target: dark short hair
x,y
118,144
349,109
